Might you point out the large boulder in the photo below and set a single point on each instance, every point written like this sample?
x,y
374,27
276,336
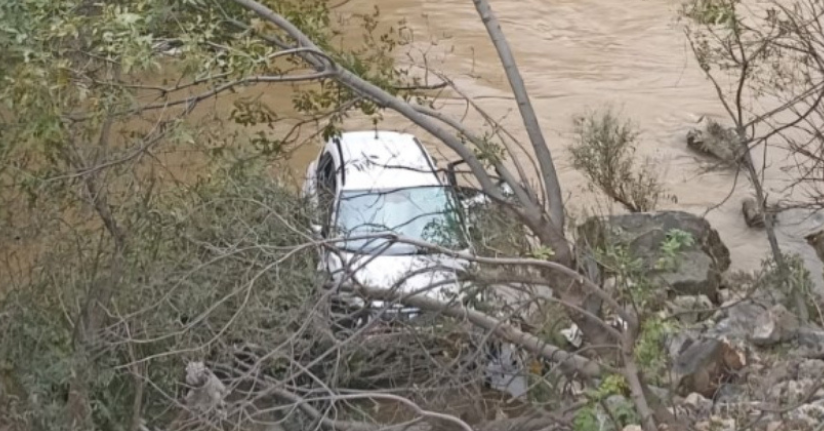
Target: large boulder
x,y
695,269
702,365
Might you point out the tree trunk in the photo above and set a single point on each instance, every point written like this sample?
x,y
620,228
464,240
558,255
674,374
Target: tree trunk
x,y
93,315
769,228
533,129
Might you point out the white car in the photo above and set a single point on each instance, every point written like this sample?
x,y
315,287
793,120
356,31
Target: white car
x,y
368,183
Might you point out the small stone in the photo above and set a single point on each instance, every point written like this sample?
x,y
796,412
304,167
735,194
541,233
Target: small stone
x,y
632,428
611,286
788,391
775,326
753,215
816,241
776,375
698,404
811,338
810,414
691,309
717,424
811,369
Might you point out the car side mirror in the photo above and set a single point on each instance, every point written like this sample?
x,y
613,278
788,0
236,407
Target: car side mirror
x,y
317,229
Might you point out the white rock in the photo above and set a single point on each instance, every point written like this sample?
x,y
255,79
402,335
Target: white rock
x,y
573,335
208,393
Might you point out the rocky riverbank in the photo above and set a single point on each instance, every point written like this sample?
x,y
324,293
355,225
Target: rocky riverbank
x,y
737,355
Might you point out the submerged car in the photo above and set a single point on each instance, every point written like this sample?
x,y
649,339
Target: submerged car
x,y
368,186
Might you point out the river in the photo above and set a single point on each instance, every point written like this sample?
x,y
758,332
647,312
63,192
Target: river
x,y
574,55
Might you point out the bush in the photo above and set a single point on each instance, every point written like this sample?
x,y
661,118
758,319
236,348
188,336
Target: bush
x,y
709,12
205,267
604,151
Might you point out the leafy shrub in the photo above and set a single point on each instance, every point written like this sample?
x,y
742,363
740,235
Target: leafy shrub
x,y
206,266
710,12
605,153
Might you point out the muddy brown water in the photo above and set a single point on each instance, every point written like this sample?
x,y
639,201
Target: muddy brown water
x,y
583,54
574,55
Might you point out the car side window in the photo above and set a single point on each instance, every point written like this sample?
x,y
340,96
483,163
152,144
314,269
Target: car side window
x,y
327,186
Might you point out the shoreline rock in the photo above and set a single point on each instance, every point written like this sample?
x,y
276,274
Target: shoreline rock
x,y
715,140
753,216
698,266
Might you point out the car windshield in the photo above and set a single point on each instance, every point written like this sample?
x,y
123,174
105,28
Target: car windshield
x,y
425,213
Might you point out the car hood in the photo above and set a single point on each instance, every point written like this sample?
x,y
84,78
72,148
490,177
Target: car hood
x,y
410,274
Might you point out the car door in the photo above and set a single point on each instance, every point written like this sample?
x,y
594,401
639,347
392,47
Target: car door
x,y
327,192
325,197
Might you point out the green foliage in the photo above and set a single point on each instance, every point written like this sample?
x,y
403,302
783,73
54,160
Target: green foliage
x,y
542,252
786,287
732,45
488,151
631,279
492,232
613,384
625,414
710,12
610,394
205,263
676,240
605,153
197,278
650,351
586,419
632,273
70,67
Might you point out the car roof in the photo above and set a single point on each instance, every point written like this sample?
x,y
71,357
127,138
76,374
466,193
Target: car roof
x,y
384,160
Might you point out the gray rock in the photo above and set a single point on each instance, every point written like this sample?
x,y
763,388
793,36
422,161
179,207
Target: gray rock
x,y
717,423
680,341
776,374
691,308
738,323
715,140
811,339
696,365
697,268
753,215
753,321
811,369
775,326
703,364
789,391
699,405
816,241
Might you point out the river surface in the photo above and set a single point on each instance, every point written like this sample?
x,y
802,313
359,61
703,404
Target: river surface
x,y
577,55
574,55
